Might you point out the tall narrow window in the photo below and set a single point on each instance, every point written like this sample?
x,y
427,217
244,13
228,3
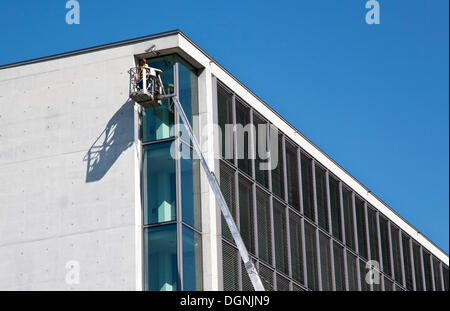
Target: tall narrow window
x,y
159,184
228,191
311,257
325,262
277,172
292,176
321,190
192,260
280,228
246,218
385,247
361,227
188,88
307,187
407,262
437,275
428,271
335,205
243,137
396,254
225,120
296,247
261,146
417,267
352,272
373,234
339,272
349,220
264,227
190,191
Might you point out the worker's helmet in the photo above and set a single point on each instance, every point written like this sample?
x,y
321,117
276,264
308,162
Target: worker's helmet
x,y
142,61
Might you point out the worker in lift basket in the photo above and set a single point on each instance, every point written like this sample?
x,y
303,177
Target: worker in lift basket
x,y
140,74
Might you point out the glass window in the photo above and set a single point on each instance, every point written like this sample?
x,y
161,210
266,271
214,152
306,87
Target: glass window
x,y
246,227
296,247
311,257
396,254
321,190
292,176
348,216
361,227
159,184
352,272
385,248
192,260
307,187
264,227
437,275
160,245
279,224
228,191
417,267
335,205
407,262
261,175
277,172
339,272
428,271
325,262
373,234
225,117
158,122
190,189
243,137
188,88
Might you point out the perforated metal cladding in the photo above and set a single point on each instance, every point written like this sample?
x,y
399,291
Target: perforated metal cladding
x,y
297,288
296,247
243,119
311,257
230,264
335,205
427,270
417,267
445,276
373,234
246,217
266,276
352,272
307,187
228,191
339,270
246,283
264,227
396,255
225,116
385,247
361,227
407,263
348,218
292,176
277,172
388,285
321,197
282,283
280,234
362,276
437,275
325,262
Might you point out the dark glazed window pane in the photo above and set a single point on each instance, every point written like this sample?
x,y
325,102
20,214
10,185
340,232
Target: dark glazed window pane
x,y
325,262
159,184
225,117
242,136
396,255
417,267
437,275
261,142
427,270
188,88
246,214
311,257
264,227
307,187
160,245
296,247
385,249
373,234
230,265
292,176
361,227
335,208
192,260
339,272
349,221
158,122
279,223
407,262
352,272
190,188
277,172
321,189
228,191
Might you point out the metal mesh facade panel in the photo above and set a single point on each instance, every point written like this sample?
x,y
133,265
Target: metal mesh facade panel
x,y
362,276
352,272
339,271
361,227
427,270
388,285
246,283
280,228
311,257
417,267
282,284
246,219
243,118
261,175
266,276
385,248
292,176
445,272
349,220
335,205
225,116
396,255
230,264
228,190
437,275
264,227
373,234
277,172
407,263
321,191
307,187
296,247
297,288
325,262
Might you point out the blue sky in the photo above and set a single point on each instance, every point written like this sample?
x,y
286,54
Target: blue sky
x,y
373,97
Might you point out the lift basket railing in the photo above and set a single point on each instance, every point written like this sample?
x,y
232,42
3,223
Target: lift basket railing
x,y
146,86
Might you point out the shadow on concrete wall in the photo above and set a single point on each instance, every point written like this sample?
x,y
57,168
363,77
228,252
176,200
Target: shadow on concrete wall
x,y
117,137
